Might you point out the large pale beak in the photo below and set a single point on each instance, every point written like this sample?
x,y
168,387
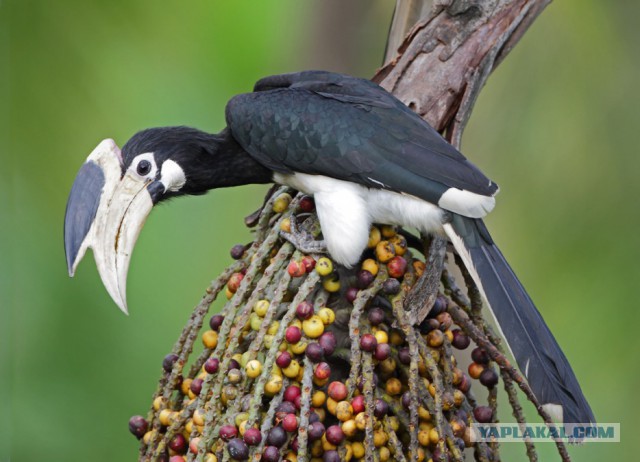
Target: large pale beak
x,y
106,211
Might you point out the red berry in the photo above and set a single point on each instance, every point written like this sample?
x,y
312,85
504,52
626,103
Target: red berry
x,y
211,365
307,204
335,435
290,423
284,359
291,393
178,444
296,269
357,403
397,267
465,384
337,391
234,282
228,432
309,263
322,371
304,310
252,436
368,342
293,334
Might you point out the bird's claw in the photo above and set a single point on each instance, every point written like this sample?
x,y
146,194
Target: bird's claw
x,y
303,240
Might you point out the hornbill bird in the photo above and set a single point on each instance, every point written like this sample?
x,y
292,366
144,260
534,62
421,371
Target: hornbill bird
x,y
364,156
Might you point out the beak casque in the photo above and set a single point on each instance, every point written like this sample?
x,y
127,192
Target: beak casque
x,y
106,211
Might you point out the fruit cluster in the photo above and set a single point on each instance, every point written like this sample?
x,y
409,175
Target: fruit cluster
x,y
310,362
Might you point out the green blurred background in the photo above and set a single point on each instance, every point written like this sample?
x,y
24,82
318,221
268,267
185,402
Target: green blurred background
x,y
555,127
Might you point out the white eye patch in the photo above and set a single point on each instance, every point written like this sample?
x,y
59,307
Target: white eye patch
x,y
172,176
144,165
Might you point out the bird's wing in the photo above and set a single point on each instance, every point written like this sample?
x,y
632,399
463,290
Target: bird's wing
x,y
349,129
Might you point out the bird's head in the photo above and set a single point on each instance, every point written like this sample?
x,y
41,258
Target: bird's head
x,y
115,190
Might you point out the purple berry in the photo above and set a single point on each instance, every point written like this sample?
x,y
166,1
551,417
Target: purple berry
x,y
314,352
138,426
238,449
169,361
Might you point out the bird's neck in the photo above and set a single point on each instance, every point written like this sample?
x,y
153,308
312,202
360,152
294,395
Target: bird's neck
x,y
232,165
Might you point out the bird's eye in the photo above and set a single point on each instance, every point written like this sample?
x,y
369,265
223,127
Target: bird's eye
x,y
144,167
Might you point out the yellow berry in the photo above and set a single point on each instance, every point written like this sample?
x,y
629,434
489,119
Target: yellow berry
x,y
281,203
198,417
273,328
285,225
331,283
158,403
393,386
327,315
185,386
379,438
240,418
313,327
344,411
332,404
292,370
433,435
385,251
388,231
210,339
318,398
399,244
253,368
298,348
255,322
358,449
166,417
423,437
273,386
374,237
261,307
324,266
370,265
381,336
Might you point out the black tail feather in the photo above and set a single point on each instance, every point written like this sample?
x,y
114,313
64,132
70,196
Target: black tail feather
x,y
531,342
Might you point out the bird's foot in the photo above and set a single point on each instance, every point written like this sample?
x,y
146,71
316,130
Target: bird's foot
x,y
303,240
